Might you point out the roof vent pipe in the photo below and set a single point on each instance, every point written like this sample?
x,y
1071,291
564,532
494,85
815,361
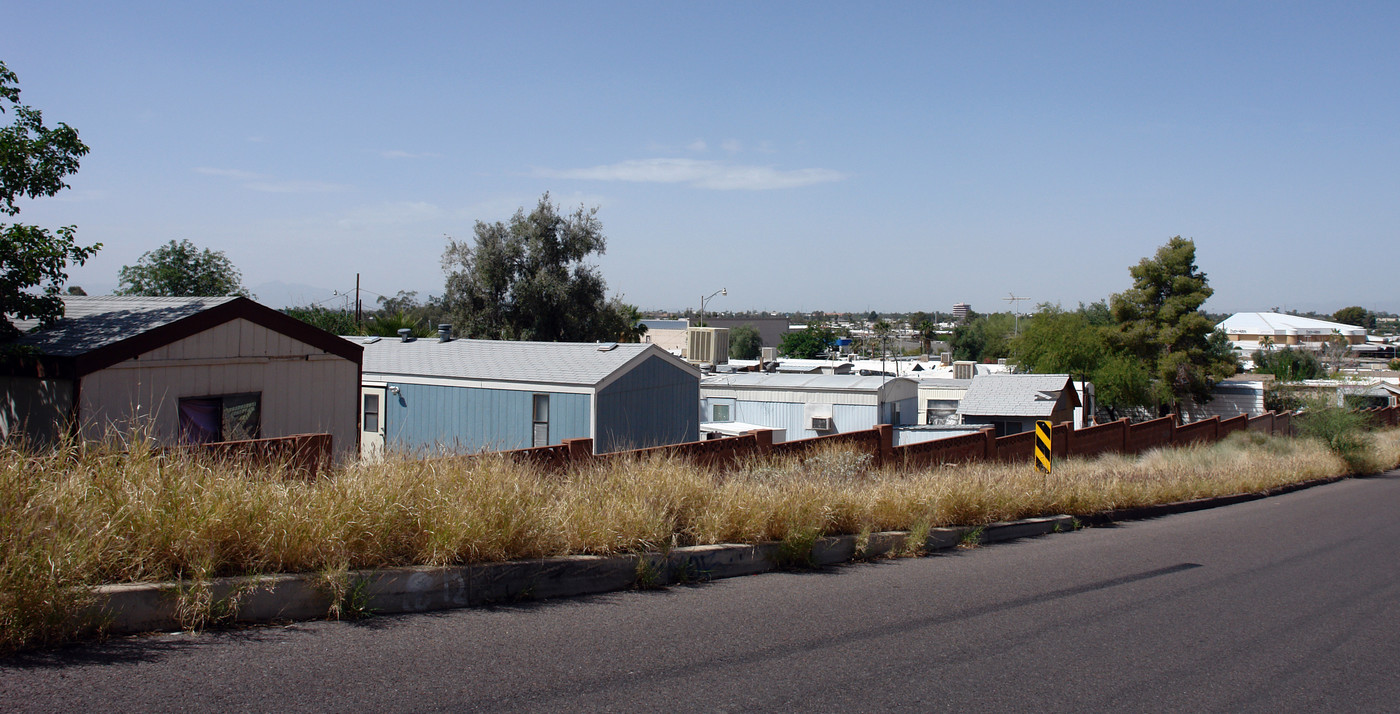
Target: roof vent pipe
x,y
404,334
444,333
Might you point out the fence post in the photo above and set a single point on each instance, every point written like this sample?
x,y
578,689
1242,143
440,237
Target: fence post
x,y
1065,428
886,453
762,441
1123,426
989,451
580,451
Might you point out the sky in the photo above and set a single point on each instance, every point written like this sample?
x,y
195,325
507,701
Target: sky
x,y
834,156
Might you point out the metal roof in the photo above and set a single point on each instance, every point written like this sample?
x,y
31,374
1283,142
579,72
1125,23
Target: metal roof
x,y
1273,323
800,382
91,322
99,331
1023,395
576,363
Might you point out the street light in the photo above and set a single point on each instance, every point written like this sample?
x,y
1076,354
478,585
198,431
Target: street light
x,y
703,300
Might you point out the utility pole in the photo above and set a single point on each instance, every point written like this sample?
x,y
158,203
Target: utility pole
x,y
357,299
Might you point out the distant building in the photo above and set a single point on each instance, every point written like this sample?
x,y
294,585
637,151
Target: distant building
x,y
960,311
1250,331
491,395
183,370
806,405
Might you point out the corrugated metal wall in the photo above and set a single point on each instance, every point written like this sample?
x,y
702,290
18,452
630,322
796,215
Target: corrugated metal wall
x,y
304,390
466,419
791,416
653,404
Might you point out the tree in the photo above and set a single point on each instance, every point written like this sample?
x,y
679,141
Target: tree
x,y
336,322
527,280
745,342
181,270
1288,364
982,338
1054,341
1160,323
807,343
1356,315
34,160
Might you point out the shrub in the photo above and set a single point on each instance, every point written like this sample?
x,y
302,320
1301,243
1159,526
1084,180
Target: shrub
x,y
1345,432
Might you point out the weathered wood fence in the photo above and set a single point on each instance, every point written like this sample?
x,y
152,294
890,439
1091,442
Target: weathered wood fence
x,y
1114,437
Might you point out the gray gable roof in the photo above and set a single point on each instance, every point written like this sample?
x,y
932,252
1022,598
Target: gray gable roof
x,y
571,363
99,331
90,322
1015,395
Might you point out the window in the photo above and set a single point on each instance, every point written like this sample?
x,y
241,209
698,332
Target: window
x,y
720,412
541,420
371,420
231,417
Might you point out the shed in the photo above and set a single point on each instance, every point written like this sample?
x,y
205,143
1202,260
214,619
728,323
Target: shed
x,y
191,370
808,405
1014,402
465,396
939,399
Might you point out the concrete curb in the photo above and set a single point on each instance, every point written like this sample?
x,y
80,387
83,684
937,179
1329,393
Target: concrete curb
x,y
147,607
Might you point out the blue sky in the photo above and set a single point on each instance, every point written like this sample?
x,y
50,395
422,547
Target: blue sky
x,y
807,156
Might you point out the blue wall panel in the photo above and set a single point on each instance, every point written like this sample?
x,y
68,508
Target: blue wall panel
x,y
461,419
654,403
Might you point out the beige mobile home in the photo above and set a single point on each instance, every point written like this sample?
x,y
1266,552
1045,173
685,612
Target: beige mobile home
x,y
191,370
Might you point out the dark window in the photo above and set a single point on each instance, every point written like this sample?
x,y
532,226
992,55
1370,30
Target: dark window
x,y
231,417
541,420
371,413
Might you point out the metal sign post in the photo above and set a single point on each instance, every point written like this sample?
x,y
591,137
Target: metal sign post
x,y
1042,446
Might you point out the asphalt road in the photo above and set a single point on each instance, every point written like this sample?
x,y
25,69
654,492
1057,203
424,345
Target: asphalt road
x,y
1288,603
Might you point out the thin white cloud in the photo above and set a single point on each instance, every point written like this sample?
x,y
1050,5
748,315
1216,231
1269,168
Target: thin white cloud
x,y
395,213
408,155
295,186
698,146
716,175
732,146
229,173
268,184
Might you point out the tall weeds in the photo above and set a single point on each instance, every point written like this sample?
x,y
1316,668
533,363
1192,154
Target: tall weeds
x,y
73,518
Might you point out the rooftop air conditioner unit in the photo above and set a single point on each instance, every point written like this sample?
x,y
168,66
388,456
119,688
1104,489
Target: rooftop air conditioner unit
x,y
964,370
768,354
821,423
707,345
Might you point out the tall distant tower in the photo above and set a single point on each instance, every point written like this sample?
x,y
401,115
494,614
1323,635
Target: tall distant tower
x,y
960,311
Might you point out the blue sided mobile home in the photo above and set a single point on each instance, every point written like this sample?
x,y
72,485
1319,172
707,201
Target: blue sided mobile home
x,y
467,396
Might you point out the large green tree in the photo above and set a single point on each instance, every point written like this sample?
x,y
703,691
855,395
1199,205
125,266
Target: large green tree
x,y
807,343
745,342
529,279
34,161
982,338
1160,324
1356,315
182,270
1056,341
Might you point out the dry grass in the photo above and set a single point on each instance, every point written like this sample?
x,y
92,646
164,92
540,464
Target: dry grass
x,y
72,518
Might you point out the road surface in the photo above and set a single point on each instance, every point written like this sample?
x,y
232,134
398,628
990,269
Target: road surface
x,y
1284,603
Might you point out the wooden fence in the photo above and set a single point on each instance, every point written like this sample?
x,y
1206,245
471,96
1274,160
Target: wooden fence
x,y
303,454
1114,437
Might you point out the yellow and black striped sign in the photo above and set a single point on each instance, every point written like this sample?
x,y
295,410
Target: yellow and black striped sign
x,y
1042,446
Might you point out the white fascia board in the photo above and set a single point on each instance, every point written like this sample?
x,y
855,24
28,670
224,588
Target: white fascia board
x,y
382,378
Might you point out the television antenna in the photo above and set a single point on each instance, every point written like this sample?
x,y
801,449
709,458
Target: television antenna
x,y
1016,313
